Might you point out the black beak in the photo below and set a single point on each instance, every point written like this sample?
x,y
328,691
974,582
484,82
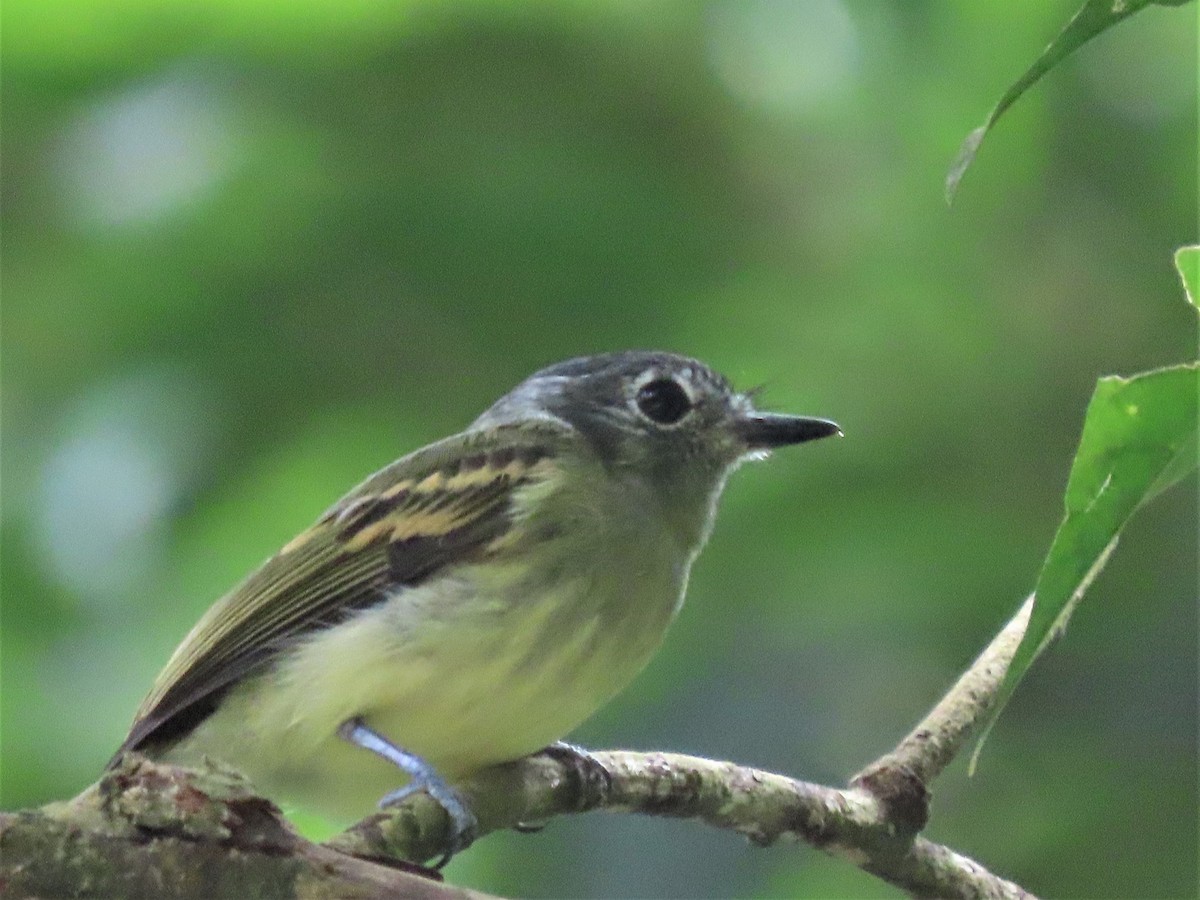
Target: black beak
x,y
763,431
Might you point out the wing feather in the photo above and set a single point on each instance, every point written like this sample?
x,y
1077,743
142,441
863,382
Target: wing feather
x,y
445,504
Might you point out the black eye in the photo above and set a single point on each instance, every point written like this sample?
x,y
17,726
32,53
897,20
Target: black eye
x,y
663,401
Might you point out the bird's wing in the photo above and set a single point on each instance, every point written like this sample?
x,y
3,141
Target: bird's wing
x,y
448,503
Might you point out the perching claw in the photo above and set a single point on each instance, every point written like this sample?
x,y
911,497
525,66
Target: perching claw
x,y
423,778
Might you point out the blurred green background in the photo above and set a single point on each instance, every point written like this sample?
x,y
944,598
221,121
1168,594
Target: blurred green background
x,y
254,250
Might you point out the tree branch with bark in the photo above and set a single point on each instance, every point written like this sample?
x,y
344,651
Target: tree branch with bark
x,y
147,828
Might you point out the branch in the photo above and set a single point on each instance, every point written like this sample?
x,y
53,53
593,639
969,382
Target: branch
x,y
874,823
852,823
146,828
150,830
934,743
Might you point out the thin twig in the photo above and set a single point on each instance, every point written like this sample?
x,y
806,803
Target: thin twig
x,y
931,746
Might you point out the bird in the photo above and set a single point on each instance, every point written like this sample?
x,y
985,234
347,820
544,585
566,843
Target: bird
x,y
472,602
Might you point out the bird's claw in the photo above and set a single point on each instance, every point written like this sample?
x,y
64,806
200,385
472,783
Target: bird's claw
x,y
464,827
587,768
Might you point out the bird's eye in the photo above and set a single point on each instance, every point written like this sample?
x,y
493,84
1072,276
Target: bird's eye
x,y
663,401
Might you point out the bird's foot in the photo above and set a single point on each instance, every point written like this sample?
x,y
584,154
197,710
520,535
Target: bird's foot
x,y
423,777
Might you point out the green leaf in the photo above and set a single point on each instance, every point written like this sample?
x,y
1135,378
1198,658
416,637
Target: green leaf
x,y
1093,18
1139,438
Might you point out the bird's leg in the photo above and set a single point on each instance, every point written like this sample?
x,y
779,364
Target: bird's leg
x,y
423,778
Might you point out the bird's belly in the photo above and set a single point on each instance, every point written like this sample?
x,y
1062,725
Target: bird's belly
x,y
465,671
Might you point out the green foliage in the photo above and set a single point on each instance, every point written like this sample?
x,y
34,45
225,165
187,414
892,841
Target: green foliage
x,y
1139,438
1093,18
1140,433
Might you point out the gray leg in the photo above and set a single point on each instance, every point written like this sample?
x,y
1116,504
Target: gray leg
x,y
423,778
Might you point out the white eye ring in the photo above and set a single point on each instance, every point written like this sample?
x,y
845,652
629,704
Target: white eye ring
x,y
662,399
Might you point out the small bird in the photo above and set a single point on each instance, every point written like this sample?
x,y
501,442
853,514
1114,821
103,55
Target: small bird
x,y
472,602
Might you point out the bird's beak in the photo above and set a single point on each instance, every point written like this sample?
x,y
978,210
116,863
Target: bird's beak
x,y
764,431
